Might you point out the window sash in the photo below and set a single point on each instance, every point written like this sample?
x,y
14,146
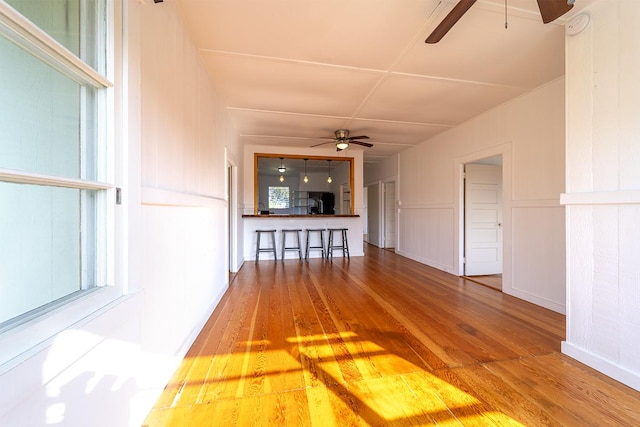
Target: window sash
x,y
33,40
29,37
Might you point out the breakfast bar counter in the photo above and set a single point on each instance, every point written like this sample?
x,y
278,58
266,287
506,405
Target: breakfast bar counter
x,y
253,222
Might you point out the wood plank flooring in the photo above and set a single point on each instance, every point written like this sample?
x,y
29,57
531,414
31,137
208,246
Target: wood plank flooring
x,y
381,340
492,280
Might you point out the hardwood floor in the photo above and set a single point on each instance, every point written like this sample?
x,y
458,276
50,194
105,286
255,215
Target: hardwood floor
x,y
492,280
382,340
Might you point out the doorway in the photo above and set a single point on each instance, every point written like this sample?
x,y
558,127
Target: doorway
x,y
232,234
390,213
483,221
374,214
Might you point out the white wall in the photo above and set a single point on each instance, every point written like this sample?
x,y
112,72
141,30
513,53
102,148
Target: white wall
x,y
603,192
529,134
170,252
383,170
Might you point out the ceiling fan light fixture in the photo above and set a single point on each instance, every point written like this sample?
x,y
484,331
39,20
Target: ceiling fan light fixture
x,y
342,144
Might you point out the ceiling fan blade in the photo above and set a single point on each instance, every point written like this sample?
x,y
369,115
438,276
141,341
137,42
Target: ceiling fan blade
x,y
450,20
358,137
551,10
366,144
322,143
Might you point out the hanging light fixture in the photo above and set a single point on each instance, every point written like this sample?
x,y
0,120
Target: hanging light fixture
x,y
329,177
306,178
282,170
342,144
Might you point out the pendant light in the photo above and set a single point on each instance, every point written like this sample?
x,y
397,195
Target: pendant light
x,y
306,178
329,177
282,170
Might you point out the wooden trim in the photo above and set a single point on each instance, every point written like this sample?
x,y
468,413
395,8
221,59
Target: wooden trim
x,y
627,197
352,169
159,197
317,216
17,177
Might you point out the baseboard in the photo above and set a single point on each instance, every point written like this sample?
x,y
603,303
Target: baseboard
x,y
618,373
426,261
195,331
535,299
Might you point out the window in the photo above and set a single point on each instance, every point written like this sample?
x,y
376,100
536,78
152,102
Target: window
x,y
278,197
53,162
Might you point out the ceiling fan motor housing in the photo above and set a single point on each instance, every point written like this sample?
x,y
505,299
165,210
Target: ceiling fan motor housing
x,y
342,134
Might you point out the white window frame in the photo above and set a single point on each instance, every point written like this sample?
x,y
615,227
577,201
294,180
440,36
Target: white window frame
x,y
288,194
20,341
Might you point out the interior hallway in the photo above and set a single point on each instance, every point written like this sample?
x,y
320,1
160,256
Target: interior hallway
x,y
382,340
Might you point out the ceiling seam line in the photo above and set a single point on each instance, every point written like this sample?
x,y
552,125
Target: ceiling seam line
x,y
292,61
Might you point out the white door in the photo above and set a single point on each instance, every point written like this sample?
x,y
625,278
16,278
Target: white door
x,y
373,215
365,214
483,219
390,214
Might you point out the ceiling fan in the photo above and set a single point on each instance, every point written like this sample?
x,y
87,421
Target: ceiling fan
x,y
550,10
342,140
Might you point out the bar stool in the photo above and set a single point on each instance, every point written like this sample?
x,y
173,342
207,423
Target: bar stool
x,y
314,230
259,249
344,244
291,248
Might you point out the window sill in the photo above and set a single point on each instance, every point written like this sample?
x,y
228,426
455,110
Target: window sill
x,y
20,342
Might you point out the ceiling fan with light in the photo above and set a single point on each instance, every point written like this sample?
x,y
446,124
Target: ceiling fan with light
x,y
342,140
550,10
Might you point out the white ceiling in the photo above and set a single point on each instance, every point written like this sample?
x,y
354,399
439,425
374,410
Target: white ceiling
x,y
292,71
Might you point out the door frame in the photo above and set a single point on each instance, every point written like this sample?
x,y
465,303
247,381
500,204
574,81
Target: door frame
x,y
385,220
377,213
231,190
506,151
469,190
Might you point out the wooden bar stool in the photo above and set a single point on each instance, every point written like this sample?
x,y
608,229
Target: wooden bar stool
x,y
344,244
309,246
297,241
259,249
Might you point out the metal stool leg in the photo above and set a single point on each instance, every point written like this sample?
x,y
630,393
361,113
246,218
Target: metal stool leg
x,y
345,244
258,247
308,245
330,246
297,248
273,245
261,249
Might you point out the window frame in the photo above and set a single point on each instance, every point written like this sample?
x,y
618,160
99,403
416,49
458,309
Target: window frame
x,y
37,329
288,206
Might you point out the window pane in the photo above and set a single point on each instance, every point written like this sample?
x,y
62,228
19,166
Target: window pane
x,y
44,238
41,116
278,197
72,23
